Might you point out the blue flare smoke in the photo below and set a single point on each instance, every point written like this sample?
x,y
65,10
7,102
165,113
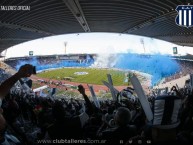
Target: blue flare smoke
x,y
159,66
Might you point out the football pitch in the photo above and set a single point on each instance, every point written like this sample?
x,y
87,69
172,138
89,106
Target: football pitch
x,y
86,75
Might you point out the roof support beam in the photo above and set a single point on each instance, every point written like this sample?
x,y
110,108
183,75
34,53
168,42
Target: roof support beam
x,y
20,27
151,21
76,10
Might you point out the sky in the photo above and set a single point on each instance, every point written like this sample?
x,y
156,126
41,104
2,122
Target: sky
x,y
95,43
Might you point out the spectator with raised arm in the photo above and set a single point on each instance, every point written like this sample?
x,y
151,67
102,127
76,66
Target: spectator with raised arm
x,y
24,71
89,105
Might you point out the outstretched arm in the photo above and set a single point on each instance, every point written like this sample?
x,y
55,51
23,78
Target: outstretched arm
x,y
81,89
24,71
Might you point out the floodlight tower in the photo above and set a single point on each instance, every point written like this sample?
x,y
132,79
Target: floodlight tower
x,y
142,42
65,44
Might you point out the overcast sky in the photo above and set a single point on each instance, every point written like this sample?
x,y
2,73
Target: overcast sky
x,y
95,43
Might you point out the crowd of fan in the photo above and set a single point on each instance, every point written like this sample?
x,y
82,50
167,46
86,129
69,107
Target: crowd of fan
x,y
39,60
34,120
186,68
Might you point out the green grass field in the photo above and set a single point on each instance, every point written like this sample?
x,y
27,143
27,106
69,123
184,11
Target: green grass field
x,y
94,76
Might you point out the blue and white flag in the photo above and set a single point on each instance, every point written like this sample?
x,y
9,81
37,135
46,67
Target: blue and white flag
x,y
166,110
185,15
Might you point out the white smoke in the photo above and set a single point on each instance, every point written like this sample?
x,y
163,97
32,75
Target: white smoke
x,y
105,61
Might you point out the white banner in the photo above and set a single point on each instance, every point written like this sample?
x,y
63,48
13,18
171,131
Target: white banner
x,y
96,101
142,98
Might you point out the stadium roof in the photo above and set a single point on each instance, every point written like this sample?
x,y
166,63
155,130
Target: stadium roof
x,y
152,18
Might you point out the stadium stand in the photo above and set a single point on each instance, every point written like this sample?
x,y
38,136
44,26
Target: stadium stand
x,y
186,67
47,60
33,120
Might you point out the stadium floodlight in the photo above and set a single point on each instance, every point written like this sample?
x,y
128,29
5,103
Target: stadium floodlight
x,y
65,44
142,42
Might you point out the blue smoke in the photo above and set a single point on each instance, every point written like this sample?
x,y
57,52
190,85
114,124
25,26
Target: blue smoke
x,y
159,66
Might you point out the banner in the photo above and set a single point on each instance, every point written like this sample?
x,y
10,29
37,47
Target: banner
x,y
40,88
142,98
114,91
96,102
